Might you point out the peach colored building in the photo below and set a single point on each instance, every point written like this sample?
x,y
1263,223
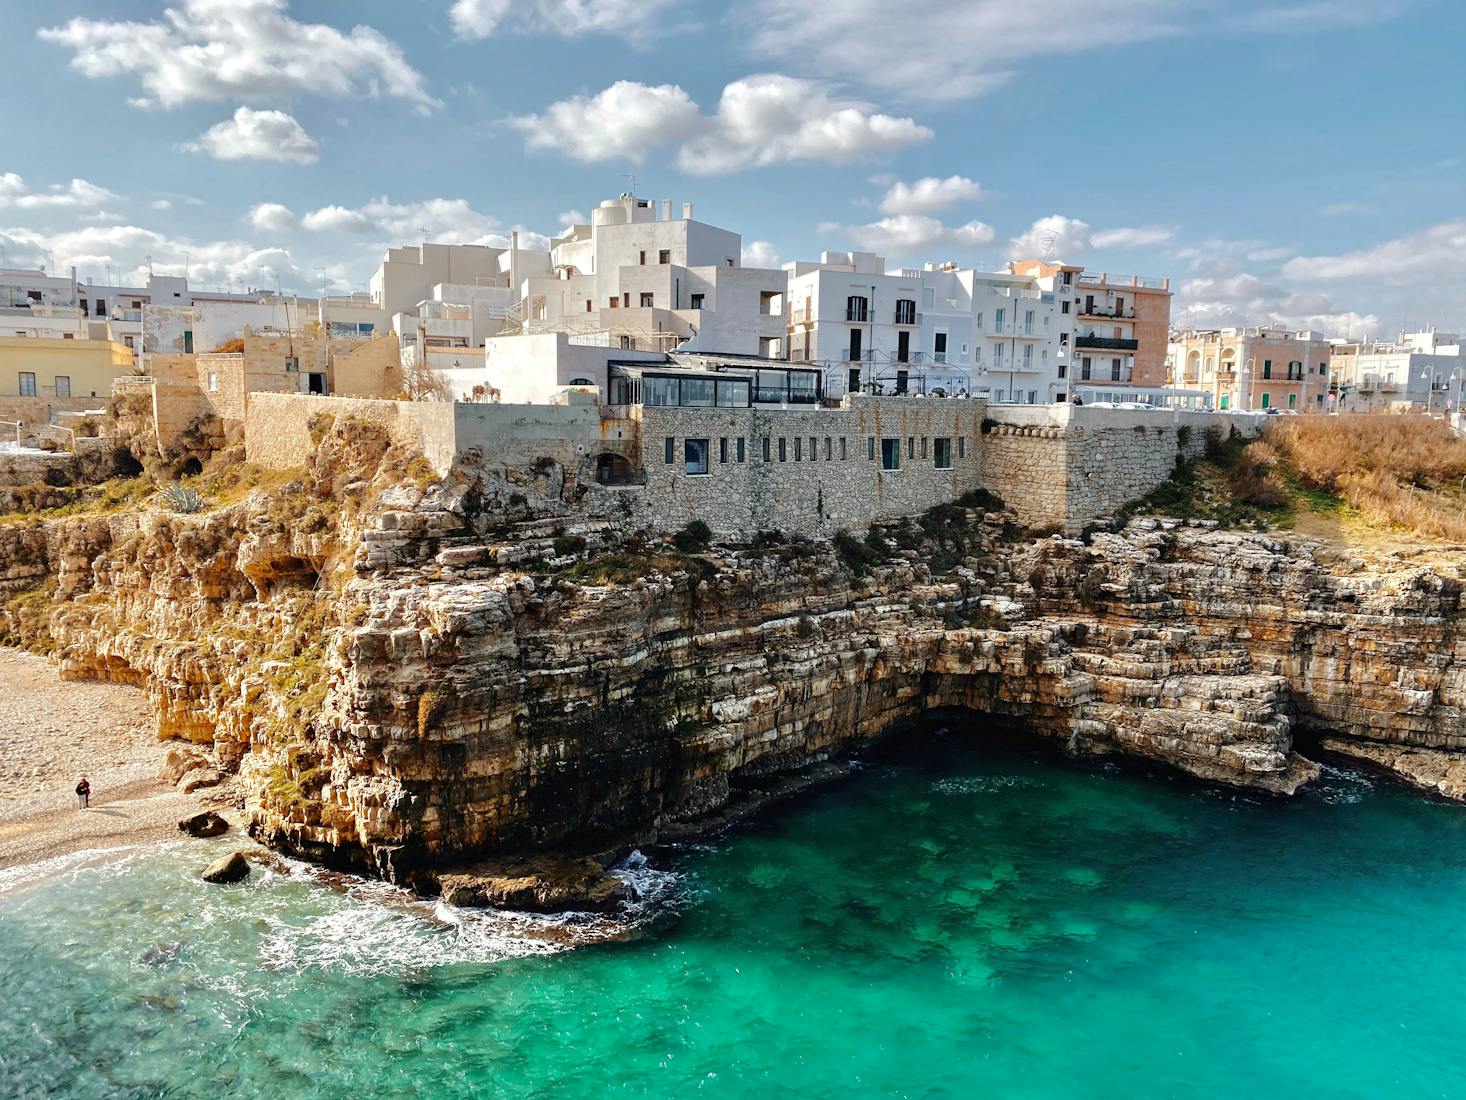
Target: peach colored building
x,y
1253,369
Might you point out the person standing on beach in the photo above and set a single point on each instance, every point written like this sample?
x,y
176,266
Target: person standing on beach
x,y
83,793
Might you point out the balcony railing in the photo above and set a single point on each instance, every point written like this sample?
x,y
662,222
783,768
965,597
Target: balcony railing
x,y
861,315
1106,343
907,317
1100,310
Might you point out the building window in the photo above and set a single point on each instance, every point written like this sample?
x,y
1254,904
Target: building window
x,y
1292,400
1114,370
187,336
870,447
1267,399
942,453
588,306
741,454
647,299
998,320
798,448
723,450
63,385
829,448
923,446
213,382
998,397
292,363
1028,322
911,446
1063,369
664,256
101,307
1033,397
939,347
979,322
961,446
1084,368
890,454
1064,306
843,455
695,455
1323,368
697,300
814,451
1267,368
1226,401
783,450
27,383
906,311
857,308
669,450
642,259
766,448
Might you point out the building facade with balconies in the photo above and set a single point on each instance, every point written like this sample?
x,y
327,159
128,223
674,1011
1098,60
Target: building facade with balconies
x,y
1254,369
1417,370
939,328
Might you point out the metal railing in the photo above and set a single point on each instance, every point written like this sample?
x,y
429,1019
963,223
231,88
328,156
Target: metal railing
x,y
1106,311
1106,343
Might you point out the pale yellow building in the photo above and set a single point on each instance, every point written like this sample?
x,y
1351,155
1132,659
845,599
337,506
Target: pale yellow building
x,y
47,368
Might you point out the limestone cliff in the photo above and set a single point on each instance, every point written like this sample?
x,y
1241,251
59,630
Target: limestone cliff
x,y
410,672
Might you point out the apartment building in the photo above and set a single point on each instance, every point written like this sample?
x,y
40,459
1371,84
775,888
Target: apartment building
x,y
1417,370
639,279
1254,369
936,329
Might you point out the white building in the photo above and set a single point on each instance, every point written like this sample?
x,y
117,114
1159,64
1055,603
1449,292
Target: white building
x,y
937,328
1417,370
636,281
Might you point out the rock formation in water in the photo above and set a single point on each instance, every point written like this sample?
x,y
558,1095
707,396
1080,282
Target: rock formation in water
x,y
415,675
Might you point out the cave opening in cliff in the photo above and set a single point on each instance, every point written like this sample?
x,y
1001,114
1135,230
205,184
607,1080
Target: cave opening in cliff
x,y
125,463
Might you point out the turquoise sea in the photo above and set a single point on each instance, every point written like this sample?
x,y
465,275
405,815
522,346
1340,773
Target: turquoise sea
x,y
966,918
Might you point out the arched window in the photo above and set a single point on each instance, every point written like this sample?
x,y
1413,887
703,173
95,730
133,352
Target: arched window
x,y
581,382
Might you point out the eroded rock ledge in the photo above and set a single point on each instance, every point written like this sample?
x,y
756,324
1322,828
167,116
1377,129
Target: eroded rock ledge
x,y
413,675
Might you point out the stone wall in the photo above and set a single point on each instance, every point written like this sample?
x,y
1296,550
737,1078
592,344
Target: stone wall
x,y
277,432
1065,466
779,485
371,368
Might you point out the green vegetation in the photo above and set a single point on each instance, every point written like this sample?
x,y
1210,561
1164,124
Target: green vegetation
x,y
693,538
182,499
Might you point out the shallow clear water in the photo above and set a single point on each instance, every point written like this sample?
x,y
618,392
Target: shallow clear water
x,y
967,919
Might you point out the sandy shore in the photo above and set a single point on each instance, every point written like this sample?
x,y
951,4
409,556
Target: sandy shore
x,y
53,731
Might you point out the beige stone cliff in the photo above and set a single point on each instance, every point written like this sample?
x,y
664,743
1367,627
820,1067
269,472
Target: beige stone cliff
x,y
411,672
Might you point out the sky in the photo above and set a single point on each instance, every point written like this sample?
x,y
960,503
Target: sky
x,y
1302,161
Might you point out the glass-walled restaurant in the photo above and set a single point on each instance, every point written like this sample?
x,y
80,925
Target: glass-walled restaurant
x,y
639,385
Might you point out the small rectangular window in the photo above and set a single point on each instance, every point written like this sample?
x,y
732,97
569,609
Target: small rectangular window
x,y
923,446
664,256
741,455
829,447
292,363
187,335
961,446
783,450
891,453
842,449
697,301
669,450
766,448
213,382
588,308
647,299
911,446
814,451
870,447
27,383
63,385
942,453
723,449
798,448
642,261
695,455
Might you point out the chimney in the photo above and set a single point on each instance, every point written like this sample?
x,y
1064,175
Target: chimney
x,y
666,210
687,211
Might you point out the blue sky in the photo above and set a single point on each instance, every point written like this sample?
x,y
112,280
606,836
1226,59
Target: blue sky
x,y
1299,161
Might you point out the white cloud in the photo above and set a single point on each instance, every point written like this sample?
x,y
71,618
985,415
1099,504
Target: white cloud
x,y
634,20
271,217
1137,237
929,195
625,120
338,219
1416,258
78,194
257,135
947,51
444,221
1054,236
760,254
572,217
206,263
760,120
239,49
771,119
1247,299
910,234
161,204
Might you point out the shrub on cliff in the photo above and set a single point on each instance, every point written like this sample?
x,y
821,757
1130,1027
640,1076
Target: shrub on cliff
x,y
695,537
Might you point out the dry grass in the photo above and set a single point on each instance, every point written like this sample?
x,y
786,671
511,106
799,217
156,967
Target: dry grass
x,y
1401,472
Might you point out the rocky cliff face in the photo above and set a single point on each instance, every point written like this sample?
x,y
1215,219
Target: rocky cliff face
x,y
411,673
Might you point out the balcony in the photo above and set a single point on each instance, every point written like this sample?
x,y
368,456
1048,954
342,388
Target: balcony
x,y
907,317
1113,312
1105,343
859,315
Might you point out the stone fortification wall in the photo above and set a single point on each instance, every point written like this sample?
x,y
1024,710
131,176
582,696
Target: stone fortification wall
x,y
1065,466
277,432
808,472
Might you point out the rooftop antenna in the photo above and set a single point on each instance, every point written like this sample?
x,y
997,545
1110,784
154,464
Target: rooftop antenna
x,y
1047,240
149,259
632,178
424,231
